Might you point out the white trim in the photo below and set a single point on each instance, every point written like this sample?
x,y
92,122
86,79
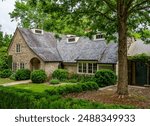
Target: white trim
x,y
34,31
94,37
72,37
87,68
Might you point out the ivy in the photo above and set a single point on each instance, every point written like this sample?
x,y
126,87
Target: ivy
x,y
140,57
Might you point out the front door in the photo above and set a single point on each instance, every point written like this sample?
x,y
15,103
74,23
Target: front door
x,y
141,73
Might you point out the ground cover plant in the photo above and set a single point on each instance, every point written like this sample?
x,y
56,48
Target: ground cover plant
x,y
5,80
13,98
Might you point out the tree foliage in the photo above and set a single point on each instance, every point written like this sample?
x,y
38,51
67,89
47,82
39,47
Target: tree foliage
x,y
4,42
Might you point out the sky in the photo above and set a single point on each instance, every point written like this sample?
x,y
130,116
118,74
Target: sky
x,y
5,7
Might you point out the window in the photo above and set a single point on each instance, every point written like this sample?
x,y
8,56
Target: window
x,y
21,65
72,39
80,67
99,36
38,31
14,66
87,68
94,67
17,48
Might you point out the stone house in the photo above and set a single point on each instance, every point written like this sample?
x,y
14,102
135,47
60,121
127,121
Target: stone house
x,y
139,71
36,49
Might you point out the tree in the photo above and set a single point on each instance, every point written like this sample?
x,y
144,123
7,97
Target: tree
x,y
4,42
107,16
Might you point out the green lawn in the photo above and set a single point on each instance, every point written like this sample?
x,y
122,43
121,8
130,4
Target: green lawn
x,y
5,80
33,87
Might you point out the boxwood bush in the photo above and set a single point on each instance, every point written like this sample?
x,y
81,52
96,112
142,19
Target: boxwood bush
x,y
105,77
54,81
22,74
70,88
60,74
38,76
5,73
12,98
82,77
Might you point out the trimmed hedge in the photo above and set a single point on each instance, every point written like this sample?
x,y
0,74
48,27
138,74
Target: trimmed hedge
x,y
12,98
54,81
5,73
22,74
38,76
105,77
82,77
60,74
70,88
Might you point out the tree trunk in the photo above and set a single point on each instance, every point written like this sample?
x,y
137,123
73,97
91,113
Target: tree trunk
x,y
122,88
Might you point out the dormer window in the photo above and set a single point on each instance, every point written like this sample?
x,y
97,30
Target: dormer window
x,y
37,31
72,39
98,37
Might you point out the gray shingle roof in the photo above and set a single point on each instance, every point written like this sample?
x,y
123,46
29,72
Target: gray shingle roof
x,y
48,49
43,45
138,47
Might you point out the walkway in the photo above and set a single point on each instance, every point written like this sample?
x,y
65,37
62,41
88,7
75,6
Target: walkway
x,y
17,82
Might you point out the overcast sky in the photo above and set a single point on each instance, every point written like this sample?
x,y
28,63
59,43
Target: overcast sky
x,y
5,7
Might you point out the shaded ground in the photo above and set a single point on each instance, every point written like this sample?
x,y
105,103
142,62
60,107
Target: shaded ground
x,y
138,96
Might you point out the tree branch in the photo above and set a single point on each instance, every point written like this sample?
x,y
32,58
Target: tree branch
x,y
137,6
111,6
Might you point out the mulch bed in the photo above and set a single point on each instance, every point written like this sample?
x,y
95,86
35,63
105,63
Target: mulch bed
x,y
138,96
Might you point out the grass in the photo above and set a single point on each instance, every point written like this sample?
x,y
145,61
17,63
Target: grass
x,y
5,80
37,87
33,87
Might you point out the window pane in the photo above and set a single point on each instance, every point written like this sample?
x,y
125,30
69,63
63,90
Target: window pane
x,y
84,67
18,48
94,67
80,67
21,65
89,67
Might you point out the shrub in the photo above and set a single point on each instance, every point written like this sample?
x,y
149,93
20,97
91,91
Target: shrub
x,y
54,81
60,74
82,77
70,88
13,76
5,73
38,76
12,98
22,74
105,77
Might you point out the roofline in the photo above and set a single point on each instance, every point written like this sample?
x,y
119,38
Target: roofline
x,y
28,45
85,60
12,39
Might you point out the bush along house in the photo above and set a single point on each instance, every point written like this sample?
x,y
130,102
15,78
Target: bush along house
x,y
139,64
36,49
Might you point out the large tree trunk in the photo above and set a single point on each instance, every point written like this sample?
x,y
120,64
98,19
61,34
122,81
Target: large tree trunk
x,y
122,88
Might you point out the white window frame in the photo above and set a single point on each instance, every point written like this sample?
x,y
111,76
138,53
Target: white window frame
x,y
18,48
87,67
22,65
72,37
95,38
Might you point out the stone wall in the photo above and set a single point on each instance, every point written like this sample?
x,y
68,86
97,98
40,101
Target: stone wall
x,y
25,55
72,68
50,67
